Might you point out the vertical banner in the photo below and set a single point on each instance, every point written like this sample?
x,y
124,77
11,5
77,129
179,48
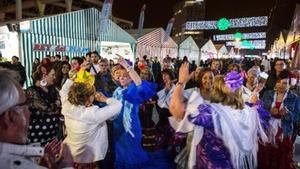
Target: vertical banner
x,y
169,29
296,57
182,34
104,18
141,21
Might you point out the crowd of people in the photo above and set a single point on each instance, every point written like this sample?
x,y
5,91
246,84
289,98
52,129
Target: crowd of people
x,y
91,113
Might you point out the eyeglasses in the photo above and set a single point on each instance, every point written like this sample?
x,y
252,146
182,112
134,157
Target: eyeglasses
x,y
25,103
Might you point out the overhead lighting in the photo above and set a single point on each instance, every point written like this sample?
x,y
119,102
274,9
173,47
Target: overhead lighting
x,y
233,23
192,32
255,44
227,37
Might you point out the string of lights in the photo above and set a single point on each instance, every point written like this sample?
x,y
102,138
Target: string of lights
x,y
228,37
224,24
252,44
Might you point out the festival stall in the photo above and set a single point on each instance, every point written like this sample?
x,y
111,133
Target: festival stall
x,y
152,44
72,34
190,49
9,45
223,52
232,54
208,51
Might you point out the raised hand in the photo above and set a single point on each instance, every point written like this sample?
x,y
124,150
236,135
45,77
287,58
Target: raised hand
x,y
122,62
85,65
184,75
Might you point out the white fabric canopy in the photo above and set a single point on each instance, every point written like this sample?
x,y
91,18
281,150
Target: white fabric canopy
x,y
190,49
208,51
152,44
223,52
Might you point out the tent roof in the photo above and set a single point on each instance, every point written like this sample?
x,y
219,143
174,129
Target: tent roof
x,y
189,43
133,32
281,41
231,52
223,49
155,38
201,42
209,46
218,46
82,24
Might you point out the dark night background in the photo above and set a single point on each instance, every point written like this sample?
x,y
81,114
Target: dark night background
x,y
158,12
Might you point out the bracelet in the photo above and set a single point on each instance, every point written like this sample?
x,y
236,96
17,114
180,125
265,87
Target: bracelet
x,y
180,84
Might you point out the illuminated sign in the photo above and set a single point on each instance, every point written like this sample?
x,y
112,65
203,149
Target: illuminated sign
x,y
227,37
233,23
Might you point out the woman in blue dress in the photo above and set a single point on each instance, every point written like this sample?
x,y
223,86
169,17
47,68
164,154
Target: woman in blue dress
x,y
132,92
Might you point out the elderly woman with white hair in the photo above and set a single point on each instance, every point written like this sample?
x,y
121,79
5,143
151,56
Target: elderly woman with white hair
x,y
14,121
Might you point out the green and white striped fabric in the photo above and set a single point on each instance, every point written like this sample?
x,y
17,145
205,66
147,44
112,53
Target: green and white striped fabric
x,y
79,28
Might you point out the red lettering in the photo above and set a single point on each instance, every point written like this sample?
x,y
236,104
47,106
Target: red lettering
x,y
36,47
42,48
48,47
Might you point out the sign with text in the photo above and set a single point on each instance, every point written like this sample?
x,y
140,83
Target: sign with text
x,y
60,48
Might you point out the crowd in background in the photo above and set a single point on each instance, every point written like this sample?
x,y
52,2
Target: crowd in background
x,y
147,114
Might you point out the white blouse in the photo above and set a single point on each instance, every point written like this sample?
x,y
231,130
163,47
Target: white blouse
x,y
86,127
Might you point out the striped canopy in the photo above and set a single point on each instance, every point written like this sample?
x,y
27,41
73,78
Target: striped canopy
x,y
152,44
79,29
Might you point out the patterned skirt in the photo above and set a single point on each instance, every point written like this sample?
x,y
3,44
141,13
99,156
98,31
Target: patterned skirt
x,y
44,128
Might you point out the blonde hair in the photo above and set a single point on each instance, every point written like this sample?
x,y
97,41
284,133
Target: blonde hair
x,y
222,94
80,93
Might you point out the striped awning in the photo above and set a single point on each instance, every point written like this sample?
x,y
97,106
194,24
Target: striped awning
x,y
79,29
155,39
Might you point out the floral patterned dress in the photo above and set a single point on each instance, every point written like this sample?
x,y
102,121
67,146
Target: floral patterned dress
x,y
45,116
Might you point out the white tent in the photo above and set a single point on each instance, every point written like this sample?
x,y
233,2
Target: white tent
x,y
223,52
190,49
208,51
152,44
232,53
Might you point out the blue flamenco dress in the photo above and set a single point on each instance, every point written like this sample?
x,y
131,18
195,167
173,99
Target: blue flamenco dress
x,y
129,153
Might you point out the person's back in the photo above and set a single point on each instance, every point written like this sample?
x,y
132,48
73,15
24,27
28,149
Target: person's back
x,y
85,123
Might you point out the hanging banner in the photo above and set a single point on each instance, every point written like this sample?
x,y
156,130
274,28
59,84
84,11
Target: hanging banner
x,y
104,18
141,21
182,33
169,29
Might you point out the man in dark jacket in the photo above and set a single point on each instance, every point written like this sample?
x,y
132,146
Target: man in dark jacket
x,y
17,66
156,68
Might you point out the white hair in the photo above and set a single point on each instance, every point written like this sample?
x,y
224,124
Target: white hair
x,y
9,93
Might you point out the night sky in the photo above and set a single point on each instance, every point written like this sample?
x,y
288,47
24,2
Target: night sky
x,y
158,12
